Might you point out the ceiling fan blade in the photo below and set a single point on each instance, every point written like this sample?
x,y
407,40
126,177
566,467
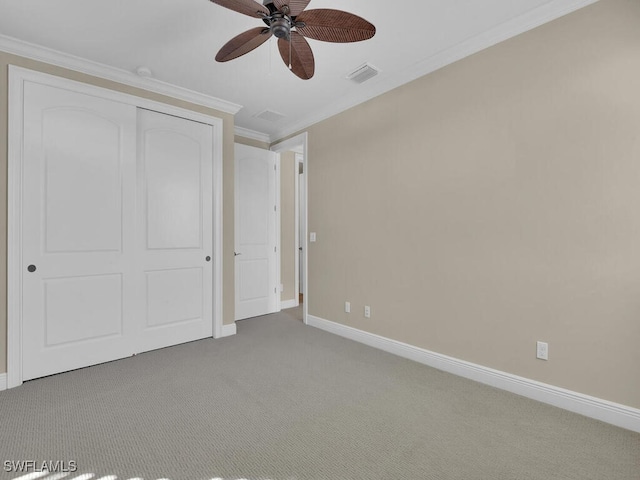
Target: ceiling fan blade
x,y
337,26
243,43
297,50
295,6
248,7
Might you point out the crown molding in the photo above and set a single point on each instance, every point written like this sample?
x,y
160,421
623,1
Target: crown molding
x,y
43,54
252,134
386,82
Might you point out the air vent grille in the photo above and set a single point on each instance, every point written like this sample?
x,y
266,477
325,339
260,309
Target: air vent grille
x,y
269,116
363,73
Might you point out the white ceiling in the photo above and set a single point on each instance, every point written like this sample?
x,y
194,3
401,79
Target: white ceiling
x,y
178,40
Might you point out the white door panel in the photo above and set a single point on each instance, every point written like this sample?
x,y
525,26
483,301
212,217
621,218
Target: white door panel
x,y
82,308
175,185
174,296
255,223
79,164
95,165
174,177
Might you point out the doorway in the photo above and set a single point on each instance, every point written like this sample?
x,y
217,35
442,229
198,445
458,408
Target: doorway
x,y
295,149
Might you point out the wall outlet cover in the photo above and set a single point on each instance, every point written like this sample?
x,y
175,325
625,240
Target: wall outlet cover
x,y
542,350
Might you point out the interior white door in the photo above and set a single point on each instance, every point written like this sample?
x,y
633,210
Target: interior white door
x,y
255,232
175,198
78,245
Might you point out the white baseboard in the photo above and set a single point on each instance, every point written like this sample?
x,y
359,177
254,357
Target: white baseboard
x,y
228,330
3,381
288,304
603,410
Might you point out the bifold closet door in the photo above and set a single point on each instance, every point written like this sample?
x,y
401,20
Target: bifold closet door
x,y
175,217
78,250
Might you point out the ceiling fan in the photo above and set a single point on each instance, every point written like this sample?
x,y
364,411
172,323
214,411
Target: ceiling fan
x,y
288,21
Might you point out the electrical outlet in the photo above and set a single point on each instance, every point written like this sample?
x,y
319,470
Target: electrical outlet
x,y
347,307
367,311
542,350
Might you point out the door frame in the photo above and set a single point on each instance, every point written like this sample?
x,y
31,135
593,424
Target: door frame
x,y
294,143
18,76
299,223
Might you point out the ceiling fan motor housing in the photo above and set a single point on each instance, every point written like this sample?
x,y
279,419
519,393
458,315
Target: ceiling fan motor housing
x,y
280,26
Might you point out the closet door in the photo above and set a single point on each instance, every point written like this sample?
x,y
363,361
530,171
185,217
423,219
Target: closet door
x,y
175,218
78,249
116,233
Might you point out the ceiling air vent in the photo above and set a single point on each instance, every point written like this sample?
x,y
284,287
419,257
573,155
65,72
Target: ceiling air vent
x,y
270,116
363,73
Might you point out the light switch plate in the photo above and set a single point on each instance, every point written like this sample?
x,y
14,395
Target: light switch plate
x,y
312,237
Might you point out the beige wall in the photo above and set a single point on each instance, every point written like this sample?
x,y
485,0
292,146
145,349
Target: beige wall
x,y
228,272
251,142
494,203
287,225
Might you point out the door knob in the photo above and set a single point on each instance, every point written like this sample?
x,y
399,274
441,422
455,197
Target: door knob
x,y
235,254
31,268
208,259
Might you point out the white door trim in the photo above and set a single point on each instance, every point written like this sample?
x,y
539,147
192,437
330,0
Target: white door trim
x,y
17,78
296,229
299,160
291,144
278,273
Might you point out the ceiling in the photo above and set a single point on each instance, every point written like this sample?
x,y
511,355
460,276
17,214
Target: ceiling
x,y
178,40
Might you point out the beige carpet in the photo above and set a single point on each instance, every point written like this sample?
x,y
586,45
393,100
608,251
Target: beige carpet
x,y
283,401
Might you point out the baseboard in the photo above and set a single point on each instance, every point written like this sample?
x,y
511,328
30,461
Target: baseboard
x,y
228,330
3,381
603,410
288,304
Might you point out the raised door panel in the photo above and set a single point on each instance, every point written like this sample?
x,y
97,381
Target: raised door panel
x,y
173,171
82,181
81,308
174,296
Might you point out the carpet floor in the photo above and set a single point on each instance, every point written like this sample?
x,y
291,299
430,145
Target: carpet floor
x,y
283,401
